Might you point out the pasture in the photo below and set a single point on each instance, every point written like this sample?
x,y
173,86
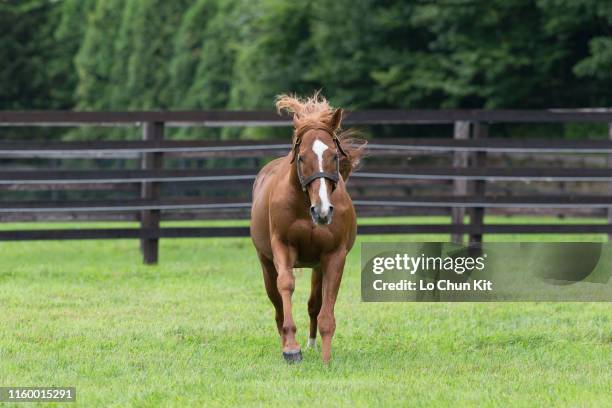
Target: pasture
x,y
198,330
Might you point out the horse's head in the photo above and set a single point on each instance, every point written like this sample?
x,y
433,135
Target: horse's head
x,y
320,159
316,155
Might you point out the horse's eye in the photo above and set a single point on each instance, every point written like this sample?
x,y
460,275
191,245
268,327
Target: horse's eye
x,y
336,157
300,159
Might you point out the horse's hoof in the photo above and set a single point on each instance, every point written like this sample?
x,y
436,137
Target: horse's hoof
x,y
292,356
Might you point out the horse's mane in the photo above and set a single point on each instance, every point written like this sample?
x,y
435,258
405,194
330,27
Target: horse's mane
x,y
316,111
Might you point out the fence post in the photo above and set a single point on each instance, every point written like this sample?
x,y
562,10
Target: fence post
x,y
460,159
610,184
480,131
149,219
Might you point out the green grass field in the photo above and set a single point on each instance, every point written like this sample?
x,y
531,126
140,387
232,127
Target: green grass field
x,y
198,330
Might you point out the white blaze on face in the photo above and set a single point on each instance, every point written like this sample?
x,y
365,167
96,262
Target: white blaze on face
x,y
318,147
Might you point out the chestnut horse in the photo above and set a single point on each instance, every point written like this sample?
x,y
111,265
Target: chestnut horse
x,y
302,216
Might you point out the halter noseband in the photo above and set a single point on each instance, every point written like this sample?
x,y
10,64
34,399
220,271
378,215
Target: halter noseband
x,y
333,177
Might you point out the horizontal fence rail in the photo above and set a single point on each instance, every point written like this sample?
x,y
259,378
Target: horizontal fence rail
x,y
140,176
122,176
33,149
465,188
268,118
204,232
424,201
519,174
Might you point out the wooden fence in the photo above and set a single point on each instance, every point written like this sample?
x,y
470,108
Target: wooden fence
x,y
466,178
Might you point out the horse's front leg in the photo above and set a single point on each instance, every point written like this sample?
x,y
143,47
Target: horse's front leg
x,y
284,259
333,267
314,304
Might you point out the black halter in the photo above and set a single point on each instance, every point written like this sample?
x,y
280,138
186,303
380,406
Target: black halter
x,y
333,177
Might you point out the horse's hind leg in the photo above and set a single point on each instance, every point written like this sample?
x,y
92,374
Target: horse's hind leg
x,y
314,305
270,275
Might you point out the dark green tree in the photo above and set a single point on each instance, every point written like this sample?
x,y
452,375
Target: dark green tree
x,y
152,27
191,37
67,37
26,48
95,58
213,77
118,95
362,49
274,56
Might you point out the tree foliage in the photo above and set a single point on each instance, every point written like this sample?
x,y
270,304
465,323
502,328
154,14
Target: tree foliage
x,y
238,54
26,49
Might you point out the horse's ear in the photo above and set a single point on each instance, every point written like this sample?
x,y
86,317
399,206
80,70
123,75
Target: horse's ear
x,y
336,119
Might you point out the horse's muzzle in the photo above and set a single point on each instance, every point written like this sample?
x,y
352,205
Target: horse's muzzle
x,y
320,217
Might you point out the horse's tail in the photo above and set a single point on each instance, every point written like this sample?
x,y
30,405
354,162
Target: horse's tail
x,y
354,147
